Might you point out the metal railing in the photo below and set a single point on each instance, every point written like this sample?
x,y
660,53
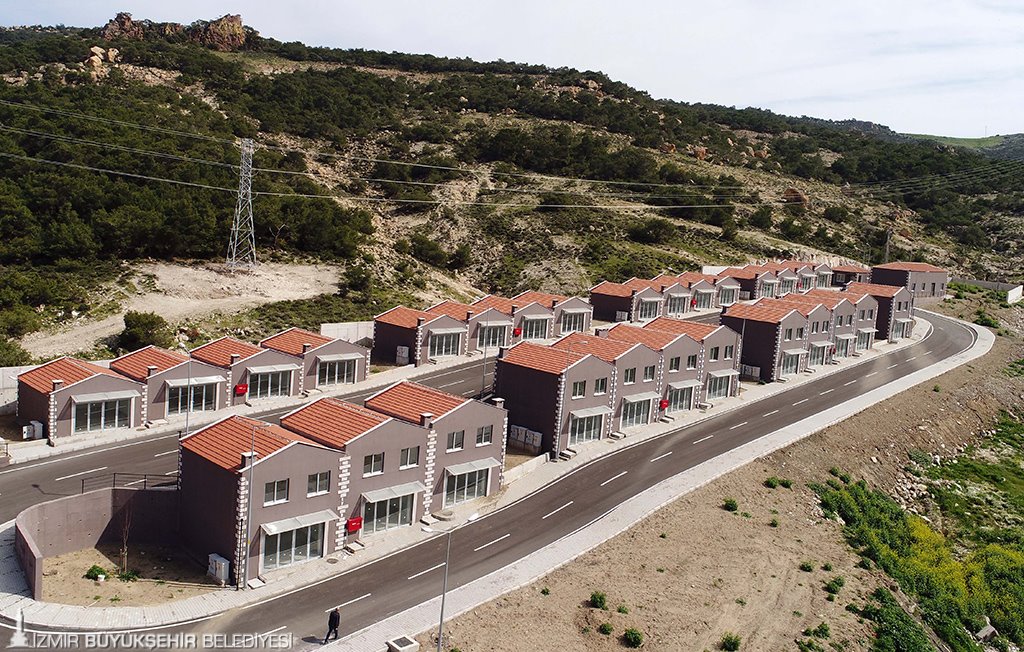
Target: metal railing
x,y
132,480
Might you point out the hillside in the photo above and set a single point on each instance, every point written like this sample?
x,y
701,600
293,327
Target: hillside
x,y
434,176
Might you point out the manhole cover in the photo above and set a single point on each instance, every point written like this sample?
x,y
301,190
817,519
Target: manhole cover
x,y
332,560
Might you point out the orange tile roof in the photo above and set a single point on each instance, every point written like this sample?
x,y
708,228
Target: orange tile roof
x,y
543,298
453,309
850,269
612,289
607,349
501,304
136,365
769,314
332,422
874,289
649,337
404,317
541,358
639,284
224,442
910,267
70,370
805,308
828,299
218,352
694,329
689,278
407,401
747,272
291,341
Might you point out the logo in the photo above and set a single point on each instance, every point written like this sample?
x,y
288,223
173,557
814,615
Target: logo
x,y
18,639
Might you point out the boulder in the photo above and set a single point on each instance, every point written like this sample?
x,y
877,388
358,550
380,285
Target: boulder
x,y
668,148
122,27
113,54
700,152
94,62
98,51
224,34
794,196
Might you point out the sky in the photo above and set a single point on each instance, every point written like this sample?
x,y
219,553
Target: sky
x,y
943,67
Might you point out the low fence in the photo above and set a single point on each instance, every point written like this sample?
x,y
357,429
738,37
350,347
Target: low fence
x,y
524,469
128,480
1013,292
350,331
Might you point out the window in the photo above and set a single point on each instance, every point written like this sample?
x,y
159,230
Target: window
x,y
204,398
718,386
680,399
490,337
573,322
455,441
648,373
636,413
484,435
790,364
727,297
629,376
648,308
673,363
273,383
460,488
814,327
849,320
839,320
704,299
293,547
713,354
691,361
863,314
535,329
871,313
579,388
729,351
600,386
373,464
676,305
336,372
445,344
585,428
102,415
789,334
275,493
800,333
388,514
409,457
318,484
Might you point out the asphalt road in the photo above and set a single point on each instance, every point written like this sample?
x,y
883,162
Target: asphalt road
x,y
412,576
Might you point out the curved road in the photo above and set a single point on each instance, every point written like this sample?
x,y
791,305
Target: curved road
x,y
413,575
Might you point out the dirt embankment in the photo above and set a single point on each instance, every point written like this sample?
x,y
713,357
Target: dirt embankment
x,y
694,571
190,291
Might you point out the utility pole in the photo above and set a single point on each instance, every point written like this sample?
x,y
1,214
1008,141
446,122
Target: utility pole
x,y
888,237
242,243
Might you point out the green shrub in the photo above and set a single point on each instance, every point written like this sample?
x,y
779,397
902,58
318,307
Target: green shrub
x,y
821,631
982,318
771,482
143,329
807,566
827,567
545,591
730,505
605,628
94,572
730,642
632,637
774,522
786,483
834,584
598,600
130,575
623,609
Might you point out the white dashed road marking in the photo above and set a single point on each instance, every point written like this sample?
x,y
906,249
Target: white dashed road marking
x,y
614,477
75,475
556,511
432,568
501,538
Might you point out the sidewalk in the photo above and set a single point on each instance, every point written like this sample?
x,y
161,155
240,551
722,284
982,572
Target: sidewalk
x,y
14,591
28,451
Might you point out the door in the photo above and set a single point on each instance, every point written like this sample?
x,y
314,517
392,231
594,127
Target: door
x,y
790,364
680,399
636,413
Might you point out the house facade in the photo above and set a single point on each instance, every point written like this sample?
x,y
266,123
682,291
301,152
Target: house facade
x,y
172,384
487,329
843,274
754,282
718,361
325,362
464,456
634,301
564,396
74,397
406,336
253,373
774,339
531,321
926,282
571,314
818,326
258,495
679,374
853,320
895,317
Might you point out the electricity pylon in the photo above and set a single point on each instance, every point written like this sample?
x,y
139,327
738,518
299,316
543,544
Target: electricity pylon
x,y
242,244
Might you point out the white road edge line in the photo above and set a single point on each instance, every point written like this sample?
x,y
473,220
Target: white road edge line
x,y
802,401
770,413
344,604
75,475
614,477
166,453
556,511
501,538
738,425
703,439
424,572
826,391
850,383
662,456
274,630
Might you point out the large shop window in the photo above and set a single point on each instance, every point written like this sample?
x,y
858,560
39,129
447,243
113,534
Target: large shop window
x,y
293,547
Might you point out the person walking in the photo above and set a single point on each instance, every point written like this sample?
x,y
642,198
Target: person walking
x,y
333,621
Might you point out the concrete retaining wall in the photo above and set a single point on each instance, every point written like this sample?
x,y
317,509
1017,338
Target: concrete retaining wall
x,y
1014,292
83,521
524,469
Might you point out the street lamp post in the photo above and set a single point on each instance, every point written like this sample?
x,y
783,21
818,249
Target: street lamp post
x,y
188,386
444,588
248,505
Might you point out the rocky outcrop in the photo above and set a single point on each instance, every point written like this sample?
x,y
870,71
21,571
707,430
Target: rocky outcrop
x,y
794,196
224,34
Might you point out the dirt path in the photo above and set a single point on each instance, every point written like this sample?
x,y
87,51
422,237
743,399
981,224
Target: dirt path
x,y
694,571
187,291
